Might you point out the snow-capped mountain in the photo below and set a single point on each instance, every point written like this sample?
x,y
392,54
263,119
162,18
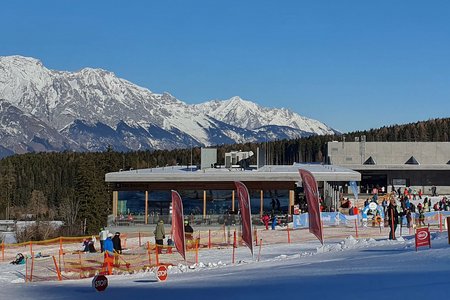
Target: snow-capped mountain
x,y
93,109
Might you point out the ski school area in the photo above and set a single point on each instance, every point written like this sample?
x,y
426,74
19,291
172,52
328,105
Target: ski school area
x,y
63,258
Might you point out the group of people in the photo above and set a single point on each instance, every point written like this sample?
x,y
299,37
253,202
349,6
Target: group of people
x,y
110,243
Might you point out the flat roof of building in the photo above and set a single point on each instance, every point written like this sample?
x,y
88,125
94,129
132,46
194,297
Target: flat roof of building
x,y
266,173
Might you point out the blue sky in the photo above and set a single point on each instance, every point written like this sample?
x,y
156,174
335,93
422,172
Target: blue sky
x,y
354,65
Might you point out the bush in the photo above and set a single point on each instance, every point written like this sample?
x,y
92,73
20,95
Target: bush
x,y
38,231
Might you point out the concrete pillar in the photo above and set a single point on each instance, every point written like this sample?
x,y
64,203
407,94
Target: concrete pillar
x,y
233,195
261,205
115,203
146,208
291,201
204,204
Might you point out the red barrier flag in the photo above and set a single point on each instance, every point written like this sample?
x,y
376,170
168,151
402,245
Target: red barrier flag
x,y
178,224
312,198
246,214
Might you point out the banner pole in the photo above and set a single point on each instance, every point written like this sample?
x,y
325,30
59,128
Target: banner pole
x,y
259,252
356,227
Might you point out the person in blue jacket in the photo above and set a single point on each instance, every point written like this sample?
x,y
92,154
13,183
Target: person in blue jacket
x,y
274,222
108,244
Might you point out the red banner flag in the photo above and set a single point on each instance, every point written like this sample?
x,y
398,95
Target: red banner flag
x,y
178,224
312,198
246,214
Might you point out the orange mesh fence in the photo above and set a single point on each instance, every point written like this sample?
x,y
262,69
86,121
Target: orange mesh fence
x,y
41,268
62,258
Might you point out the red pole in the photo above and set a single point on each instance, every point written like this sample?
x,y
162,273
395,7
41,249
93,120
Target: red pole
x,y
32,266
139,238
196,252
234,246
256,236
260,245
356,227
149,254
289,235
209,239
57,269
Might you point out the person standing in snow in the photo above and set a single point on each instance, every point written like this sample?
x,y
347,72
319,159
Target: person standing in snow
x,y
265,219
160,234
117,243
108,245
392,217
103,235
274,222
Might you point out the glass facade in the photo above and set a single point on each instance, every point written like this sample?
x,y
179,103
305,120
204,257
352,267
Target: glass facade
x,y
218,202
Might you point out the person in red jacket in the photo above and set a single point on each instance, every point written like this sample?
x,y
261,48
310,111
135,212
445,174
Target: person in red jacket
x,y
265,219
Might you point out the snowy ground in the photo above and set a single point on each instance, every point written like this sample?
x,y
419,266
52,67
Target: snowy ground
x,y
342,269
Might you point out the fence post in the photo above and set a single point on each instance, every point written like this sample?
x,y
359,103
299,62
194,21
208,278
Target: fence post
x,y
448,228
149,254
139,239
32,266
209,239
196,251
234,246
356,227
289,235
57,269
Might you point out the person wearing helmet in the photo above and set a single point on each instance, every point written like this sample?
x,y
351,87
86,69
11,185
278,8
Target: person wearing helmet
x,y
108,244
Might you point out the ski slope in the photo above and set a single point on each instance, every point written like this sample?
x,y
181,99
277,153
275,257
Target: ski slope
x,y
345,269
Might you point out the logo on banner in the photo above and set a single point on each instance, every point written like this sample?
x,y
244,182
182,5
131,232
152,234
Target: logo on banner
x,y
423,238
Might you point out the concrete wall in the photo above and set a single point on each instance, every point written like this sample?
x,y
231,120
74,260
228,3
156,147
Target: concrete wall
x,y
385,153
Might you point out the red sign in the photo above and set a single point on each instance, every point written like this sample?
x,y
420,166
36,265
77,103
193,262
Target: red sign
x,y
161,273
246,214
312,198
422,237
178,224
100,283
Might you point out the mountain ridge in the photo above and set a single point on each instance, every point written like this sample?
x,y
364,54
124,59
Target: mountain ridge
x,y
78,105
